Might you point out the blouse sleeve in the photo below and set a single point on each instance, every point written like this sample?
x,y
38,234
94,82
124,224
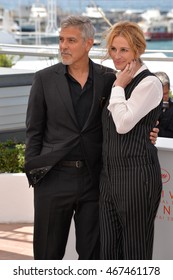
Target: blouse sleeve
x,y
127,113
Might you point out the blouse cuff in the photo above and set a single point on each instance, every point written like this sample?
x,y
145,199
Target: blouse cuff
x,y
117,91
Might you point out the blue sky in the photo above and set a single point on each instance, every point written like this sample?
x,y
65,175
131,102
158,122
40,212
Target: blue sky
x,y
81,4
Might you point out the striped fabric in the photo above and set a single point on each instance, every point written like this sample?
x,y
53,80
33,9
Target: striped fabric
x,y
130,187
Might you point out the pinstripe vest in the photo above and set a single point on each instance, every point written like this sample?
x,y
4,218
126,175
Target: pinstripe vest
x,y
134,147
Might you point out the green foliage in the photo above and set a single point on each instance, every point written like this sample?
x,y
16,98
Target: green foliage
x,y
11,157
171,94
9,60
6,60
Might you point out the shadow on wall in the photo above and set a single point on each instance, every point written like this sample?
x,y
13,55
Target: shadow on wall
x,y
14,92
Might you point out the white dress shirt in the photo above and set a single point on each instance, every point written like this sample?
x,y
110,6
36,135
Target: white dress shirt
x,y
146,96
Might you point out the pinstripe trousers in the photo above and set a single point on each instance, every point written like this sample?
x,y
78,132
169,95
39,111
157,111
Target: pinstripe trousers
x,y
128,206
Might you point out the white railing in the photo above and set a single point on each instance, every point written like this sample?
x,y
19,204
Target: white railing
x,y
52,51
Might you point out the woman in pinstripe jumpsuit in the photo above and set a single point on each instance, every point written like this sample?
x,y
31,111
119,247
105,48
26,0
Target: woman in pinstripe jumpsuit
x,y
130,184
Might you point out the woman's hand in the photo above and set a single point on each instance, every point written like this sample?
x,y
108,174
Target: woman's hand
x,y
124,77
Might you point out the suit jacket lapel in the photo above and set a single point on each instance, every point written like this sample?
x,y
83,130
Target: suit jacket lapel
x,y
63,90
98,85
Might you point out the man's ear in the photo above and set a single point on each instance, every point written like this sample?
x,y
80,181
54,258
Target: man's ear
x,y
89,43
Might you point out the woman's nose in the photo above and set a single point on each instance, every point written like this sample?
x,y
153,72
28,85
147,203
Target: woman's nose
x,y
116,54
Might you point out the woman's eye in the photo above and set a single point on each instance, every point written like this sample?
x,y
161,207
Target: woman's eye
x,y
124,50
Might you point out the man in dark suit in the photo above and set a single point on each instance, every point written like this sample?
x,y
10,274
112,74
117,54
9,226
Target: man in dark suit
x,y
166,118
64,144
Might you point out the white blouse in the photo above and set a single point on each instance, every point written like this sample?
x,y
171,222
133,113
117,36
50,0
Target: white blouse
x,y
146,96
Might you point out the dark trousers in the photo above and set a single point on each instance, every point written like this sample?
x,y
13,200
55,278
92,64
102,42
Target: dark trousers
x,y
128,206
63,194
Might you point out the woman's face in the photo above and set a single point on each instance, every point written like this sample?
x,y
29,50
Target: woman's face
x,y
121,53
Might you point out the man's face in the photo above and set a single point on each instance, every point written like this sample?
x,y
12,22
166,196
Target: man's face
x,y
165,92
73,48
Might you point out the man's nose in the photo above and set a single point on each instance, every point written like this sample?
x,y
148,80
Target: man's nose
x,y
63,44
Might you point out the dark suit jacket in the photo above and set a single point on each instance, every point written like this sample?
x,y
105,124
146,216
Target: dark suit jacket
x,y
52,130
166,121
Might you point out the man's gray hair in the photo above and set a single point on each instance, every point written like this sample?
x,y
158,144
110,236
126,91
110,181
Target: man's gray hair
x,y
83,23
163,77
